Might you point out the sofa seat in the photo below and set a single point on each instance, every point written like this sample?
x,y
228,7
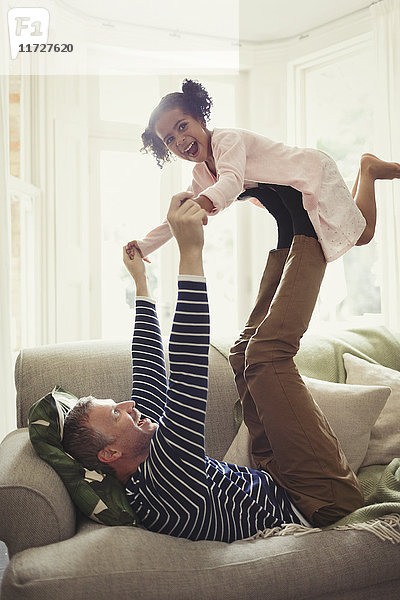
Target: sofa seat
x,y
100,563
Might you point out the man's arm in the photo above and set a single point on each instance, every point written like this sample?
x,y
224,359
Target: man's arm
x,y
185,217
137,269
149,379
182,425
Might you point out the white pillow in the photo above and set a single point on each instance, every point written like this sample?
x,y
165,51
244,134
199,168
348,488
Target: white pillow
x,y
239,452
384,444
351,410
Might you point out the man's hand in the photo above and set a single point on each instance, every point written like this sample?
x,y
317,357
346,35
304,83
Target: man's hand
x,y
137,269
185,218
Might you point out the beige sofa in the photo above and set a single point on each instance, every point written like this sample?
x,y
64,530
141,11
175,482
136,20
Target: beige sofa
x,y
54,554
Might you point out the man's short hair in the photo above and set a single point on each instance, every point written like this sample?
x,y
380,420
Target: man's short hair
x,y
83,442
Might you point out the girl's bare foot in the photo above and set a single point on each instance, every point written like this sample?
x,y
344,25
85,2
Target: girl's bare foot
x,y
379,169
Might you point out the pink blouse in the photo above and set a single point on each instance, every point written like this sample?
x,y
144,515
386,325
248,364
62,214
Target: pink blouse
x,y
244,158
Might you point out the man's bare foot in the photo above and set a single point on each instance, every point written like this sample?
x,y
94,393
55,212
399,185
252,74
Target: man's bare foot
x,y
379,169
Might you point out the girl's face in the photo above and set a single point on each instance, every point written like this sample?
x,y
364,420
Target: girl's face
x,y
184,136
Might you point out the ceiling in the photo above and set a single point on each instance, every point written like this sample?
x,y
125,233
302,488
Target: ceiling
x,y
268,20
253,21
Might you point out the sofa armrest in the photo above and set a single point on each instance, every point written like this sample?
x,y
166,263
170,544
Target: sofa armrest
x,y
35,506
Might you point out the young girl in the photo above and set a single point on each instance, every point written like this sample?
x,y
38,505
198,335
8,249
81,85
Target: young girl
x,y
231,164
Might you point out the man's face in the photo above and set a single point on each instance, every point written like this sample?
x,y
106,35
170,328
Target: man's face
x,y
124,424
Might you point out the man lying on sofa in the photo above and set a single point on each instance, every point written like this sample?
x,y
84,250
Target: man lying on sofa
x,y
154,443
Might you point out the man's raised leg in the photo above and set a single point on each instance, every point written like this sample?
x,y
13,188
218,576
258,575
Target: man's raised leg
x,y
306,458
268,285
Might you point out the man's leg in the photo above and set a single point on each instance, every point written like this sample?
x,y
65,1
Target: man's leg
x,y
306,458
268,285
269,282
285,205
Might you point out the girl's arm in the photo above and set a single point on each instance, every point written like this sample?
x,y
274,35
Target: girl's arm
x,y
154,239
230,157
205,203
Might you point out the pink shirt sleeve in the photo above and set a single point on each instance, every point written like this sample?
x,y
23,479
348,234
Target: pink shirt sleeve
x,y
155,239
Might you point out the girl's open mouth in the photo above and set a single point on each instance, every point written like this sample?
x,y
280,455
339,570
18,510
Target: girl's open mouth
x,y
193,149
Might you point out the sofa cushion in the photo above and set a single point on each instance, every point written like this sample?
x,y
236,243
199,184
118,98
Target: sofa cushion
x,y
351,411
98,496
384,444
103,368
321,354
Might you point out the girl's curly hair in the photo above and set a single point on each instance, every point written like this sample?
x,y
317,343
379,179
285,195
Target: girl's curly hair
x,y
193,100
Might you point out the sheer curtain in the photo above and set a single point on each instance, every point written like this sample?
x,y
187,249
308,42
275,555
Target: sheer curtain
x,y
386,19
7,402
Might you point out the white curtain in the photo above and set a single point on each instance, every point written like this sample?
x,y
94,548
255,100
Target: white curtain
x,y
386,19
7,398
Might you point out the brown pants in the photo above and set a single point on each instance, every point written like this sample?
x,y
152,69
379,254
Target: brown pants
x,y
291,439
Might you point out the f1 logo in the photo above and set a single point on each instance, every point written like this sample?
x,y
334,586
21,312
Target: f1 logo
x,y
27,26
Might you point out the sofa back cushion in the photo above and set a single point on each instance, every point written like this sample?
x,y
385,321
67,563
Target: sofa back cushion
x,y
384,444
351,411
102,368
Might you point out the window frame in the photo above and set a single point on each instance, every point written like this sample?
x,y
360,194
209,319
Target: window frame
x,y
296,125
115,136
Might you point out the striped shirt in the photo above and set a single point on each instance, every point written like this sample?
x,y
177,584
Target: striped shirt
x,y
178,490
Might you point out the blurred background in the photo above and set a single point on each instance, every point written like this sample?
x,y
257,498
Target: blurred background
x,y
76,187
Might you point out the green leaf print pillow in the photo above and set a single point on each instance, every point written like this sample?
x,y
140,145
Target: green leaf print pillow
x,y
98,496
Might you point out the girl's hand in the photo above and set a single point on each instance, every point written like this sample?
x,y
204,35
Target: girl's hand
x,y
206,204
132,248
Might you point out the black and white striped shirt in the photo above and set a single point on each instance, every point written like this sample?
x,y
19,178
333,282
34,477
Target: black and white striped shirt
x,y
178,490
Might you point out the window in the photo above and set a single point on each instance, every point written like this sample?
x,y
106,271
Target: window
x,y
24,205
130,196
334,102
125,196
130,206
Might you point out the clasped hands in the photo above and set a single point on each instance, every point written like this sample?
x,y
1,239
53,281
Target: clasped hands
x,y
133,248
186,219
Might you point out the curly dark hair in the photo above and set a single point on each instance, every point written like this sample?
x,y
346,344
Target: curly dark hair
x,y
193,100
